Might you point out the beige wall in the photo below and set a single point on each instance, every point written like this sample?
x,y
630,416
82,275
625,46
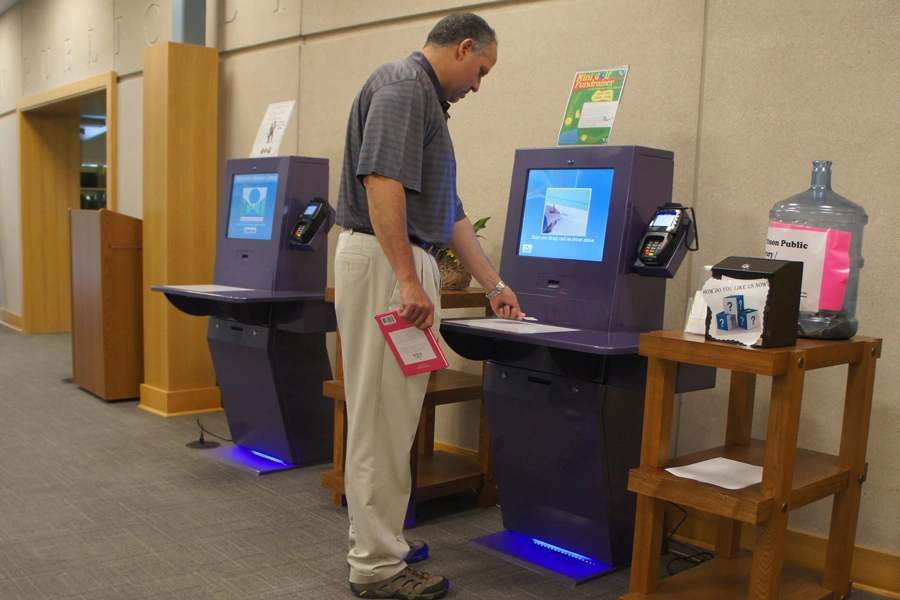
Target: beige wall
x,y
10,211
785,83
745,95
130,144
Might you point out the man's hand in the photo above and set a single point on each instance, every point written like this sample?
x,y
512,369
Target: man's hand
x,y
417,307
506,305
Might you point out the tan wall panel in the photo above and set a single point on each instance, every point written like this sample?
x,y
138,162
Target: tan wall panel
x,y
137,24
249,83
11,220
787,83
328,15
233,24
64,42
10,58
130,154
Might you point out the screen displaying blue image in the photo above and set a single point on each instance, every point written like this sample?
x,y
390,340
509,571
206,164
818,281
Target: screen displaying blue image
x,y
565,214
252,209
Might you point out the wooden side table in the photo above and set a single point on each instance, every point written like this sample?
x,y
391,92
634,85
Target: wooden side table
x,y
435,473
792,477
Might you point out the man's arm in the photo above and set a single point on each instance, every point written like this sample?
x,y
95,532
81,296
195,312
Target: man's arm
x,y
467,249
387,209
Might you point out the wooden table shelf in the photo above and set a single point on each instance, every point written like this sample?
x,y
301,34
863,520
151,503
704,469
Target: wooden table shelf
x,y
720,579
435,473
792,477
816,476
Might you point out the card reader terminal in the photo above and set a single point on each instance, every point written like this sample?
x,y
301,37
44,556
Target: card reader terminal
x,y
663,234
309,222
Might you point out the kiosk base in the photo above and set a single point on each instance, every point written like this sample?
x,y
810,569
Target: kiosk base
x,y
568,567
250,461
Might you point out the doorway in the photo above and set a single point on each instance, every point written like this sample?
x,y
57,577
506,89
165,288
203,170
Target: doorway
x,y
50,155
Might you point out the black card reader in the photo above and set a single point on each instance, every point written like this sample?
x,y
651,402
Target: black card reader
x,y
663,234
310,221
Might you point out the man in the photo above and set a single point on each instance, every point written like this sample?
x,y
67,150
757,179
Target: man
x,y
398,205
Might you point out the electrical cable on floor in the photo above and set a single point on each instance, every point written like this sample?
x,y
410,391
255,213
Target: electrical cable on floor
x,y
202,443
695,556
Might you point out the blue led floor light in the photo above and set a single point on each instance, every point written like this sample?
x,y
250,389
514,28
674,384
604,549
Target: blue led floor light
x,y
542,557
245,459
271,458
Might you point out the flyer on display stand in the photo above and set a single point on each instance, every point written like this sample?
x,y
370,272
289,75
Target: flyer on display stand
x,y
737,309
417,350
591,111
271,130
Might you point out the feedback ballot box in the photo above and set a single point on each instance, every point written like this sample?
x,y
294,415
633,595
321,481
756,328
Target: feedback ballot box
x,y
753,301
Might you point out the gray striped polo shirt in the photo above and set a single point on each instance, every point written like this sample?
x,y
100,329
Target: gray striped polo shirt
x,y
398,129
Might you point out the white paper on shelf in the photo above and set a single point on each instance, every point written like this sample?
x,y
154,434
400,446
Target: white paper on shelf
x,y
723,472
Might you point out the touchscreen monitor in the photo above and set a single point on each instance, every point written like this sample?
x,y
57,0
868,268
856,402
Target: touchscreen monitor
x,y
565,214
252,208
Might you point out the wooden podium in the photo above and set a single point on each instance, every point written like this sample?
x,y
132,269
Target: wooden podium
x,y
791,477
107,313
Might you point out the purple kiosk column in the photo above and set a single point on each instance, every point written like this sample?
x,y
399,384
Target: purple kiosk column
x,y
565,395
268,315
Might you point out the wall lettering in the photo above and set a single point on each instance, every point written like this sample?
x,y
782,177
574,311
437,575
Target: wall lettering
x,y
67,55
45,63
117,34
226,19
152,23
92,54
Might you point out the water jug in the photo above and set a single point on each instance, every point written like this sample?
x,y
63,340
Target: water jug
x,y
824,230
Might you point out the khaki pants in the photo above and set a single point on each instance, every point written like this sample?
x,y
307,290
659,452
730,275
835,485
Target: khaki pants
x,y
383,405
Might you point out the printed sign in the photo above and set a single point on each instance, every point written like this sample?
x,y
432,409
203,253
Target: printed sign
x,y
737,307
271,130
591,111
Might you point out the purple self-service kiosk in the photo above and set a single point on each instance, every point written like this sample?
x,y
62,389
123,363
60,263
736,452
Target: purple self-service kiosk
x,y
565,394
268,315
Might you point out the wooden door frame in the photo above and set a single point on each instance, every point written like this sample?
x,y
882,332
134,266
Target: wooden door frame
x,y
49,183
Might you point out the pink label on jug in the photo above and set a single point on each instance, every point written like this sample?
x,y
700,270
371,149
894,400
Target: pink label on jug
x,y
825,254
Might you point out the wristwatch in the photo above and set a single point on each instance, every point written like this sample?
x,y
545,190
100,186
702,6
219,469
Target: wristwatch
x,y
496,291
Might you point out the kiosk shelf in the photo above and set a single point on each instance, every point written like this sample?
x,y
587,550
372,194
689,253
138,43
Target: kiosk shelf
x,y
435,472
791,477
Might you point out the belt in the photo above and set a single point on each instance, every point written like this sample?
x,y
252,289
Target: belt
x,y
429,248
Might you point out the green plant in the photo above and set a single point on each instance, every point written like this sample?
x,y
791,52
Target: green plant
x,y
447,254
